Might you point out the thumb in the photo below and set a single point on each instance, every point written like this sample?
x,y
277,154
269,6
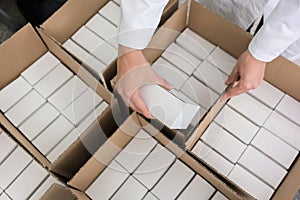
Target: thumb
x,y
233,76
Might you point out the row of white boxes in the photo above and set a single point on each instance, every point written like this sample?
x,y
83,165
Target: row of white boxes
x,y
50,106
21,176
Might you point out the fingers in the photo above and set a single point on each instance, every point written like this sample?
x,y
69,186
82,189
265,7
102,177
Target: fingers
x,y
137,104
233,76
163,83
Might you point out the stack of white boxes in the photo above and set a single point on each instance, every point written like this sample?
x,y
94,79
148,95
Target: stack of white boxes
x,y
145,169
197,70
95,43
50,105
21,176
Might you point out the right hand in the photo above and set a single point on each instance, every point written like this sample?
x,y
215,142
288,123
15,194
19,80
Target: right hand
x,y
134,71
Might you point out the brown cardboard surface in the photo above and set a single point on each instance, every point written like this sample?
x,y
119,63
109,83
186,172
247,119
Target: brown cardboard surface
x,y
57,191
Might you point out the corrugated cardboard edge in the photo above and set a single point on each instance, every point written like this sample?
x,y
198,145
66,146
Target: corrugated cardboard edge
x,y
57,191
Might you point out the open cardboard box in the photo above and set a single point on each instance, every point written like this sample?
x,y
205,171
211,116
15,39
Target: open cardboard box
x,y
16,55
106,153
281,73
71,17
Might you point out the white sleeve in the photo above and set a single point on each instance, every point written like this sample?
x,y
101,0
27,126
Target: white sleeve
x,y
139,20
281,29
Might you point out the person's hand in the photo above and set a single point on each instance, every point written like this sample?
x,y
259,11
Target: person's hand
x,y
248,72
134,71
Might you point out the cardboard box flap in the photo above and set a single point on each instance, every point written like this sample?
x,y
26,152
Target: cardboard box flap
x,y
18,52
57,191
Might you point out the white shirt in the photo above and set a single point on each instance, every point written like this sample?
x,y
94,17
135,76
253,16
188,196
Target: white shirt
x,y
280,32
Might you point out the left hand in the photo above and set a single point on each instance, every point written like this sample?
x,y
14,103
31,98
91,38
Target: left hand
x,y
248,72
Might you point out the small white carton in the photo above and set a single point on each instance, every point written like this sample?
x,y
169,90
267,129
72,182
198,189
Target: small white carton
x,y
111,12
290,108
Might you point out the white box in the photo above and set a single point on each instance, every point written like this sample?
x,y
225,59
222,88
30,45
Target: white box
x,y
195,44
82,106
131,189
212,158
201,94
38,121
13,166
4,196
87,39
284,128
40,68
105,53
13,92
262,166
104,29
275,148
7,145
117,2
250,183
53,80
267,94
222,60
112,12
223,142
170,73
42,189
236,124
198,189
25,107
68,93
250,108
211,76
107,182
290,108
150,196
154,166
171,184
181,58
27,182
75,49
136,151
52,135
219,196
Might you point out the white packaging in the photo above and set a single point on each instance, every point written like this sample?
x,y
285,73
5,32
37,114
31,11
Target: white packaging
x,y
171,184
136,151
25,107
195,44
40,68
290,108
66,94
211,76
154,166
170,73
275,148
38,121
7,145
223,142
198,92
212,158
52,135
198,189
13,166
4,196
53,80
107,182
267,94
250,108
75,49
27,182
236,124
13,92
112,12
150,196
250,183
222,60
82,106
105,53
219,196
262,166
131,189
284,129
182,59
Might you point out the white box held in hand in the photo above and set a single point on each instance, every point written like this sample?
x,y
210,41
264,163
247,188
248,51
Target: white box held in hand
x,y
7,145
182,59
275,148
262,166
195,44
111,12
171,184
290,108
250,183
25,107
167,108
13,92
